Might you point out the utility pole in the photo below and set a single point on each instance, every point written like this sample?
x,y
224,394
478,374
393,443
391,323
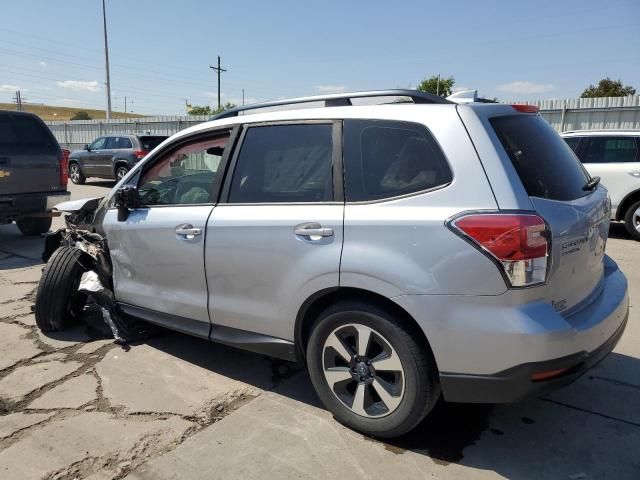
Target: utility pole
x,y
438,86
106,61
218,70
18,100
243,97
125,109
186,105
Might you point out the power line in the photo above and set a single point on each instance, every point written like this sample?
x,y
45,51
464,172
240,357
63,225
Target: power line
x,y
218,70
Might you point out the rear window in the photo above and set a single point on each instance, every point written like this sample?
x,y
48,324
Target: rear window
x,y
149,143
25,131
546,165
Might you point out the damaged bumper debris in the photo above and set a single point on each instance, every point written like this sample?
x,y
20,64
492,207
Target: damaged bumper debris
x,y
96,283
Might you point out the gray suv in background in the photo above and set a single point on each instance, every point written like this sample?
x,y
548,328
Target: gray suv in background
x,y
110,156
33,172
405,251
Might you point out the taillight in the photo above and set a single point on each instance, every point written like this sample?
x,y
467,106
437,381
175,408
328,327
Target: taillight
x,y
64,167
525,108
517,242
140,154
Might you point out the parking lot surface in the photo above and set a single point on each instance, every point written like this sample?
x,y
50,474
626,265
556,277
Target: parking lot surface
x,y
176,407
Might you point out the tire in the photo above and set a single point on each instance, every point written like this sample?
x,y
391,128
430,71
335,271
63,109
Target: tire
x,y
58,301
632,220
75,174
121,171
34,225
413,390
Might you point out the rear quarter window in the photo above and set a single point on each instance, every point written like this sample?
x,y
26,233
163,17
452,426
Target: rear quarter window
x,y
546,165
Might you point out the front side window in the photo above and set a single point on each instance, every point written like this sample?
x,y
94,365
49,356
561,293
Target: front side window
x,y
98,144
385,159
610,150
284,163
184,176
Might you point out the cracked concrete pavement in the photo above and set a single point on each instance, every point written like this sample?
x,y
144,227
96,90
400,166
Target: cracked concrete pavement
x,y
175,407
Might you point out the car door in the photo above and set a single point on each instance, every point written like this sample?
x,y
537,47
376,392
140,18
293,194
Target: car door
x,y
276,236
90,159
158,251
616,160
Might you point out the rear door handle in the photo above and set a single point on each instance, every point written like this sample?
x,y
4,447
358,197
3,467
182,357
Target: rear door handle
x,y
313,230
188,231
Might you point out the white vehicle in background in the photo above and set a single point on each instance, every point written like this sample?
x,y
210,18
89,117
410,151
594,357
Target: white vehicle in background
x,y
614,156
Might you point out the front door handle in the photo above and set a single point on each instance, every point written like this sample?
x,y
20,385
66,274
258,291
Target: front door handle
x,y
313,230
188,231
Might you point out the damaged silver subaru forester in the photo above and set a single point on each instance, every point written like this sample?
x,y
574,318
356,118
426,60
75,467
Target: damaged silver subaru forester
x,y
404,251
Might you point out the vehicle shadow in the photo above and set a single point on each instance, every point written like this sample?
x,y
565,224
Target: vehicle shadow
x,y
550,437
618,230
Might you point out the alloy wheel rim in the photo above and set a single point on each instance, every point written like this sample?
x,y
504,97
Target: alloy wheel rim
x,y
75,174
363,370
121,173
636,219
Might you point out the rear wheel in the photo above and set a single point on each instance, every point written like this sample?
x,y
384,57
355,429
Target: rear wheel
x,y
121,171
34,225
369,370
75,174
58,301
632,220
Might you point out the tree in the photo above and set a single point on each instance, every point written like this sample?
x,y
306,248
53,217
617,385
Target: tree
x,y
226,106
608,88
207,110
81,115
199,110
430,85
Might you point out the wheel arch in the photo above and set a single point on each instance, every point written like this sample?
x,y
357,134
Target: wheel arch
x,y
120,162
627,201
318,302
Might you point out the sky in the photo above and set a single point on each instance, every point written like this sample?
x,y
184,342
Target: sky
x,y
160,51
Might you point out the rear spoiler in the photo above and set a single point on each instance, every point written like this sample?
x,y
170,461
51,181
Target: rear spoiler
x,y
468,96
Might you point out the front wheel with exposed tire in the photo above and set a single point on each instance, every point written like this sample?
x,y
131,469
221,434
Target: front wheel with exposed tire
x,y
75,174
121,172
632,220
34,225
58,302
370,369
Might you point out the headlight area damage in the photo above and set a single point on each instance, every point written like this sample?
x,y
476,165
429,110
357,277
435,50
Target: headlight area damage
x,y
77,282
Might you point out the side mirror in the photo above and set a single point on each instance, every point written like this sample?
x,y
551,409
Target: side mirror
x,y
86,147
127,199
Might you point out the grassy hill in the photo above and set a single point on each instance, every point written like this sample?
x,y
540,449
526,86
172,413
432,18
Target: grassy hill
x,y
52,112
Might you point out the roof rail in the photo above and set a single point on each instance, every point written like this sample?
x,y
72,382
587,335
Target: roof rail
x,y
336,100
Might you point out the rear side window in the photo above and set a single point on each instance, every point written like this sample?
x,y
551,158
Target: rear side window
x,y
118,143
151,142
384,159
284,163
25,131
573,143
544,162
610,150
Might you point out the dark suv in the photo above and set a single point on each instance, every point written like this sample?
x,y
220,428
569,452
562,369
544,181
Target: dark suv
x,y
33,172
111,156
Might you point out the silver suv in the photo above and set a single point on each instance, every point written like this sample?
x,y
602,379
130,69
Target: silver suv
x,y
404,251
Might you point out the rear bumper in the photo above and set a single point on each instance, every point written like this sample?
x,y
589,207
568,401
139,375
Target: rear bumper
x,y
516,383
488,347
16,205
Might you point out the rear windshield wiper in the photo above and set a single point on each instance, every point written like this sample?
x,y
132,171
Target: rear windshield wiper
x,y
591,184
